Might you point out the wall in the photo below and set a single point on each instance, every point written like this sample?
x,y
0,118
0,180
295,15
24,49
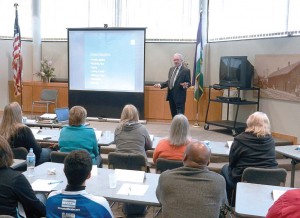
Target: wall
x,y
284,115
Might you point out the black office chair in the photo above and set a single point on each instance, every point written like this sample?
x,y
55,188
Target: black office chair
x,y
129,161
20,153
264,176
48,96
58,157
165,164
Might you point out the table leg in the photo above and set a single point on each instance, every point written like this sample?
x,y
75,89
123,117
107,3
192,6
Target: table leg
x,y
293,162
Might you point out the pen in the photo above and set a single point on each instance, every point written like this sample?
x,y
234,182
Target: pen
x,y
129,190
49,183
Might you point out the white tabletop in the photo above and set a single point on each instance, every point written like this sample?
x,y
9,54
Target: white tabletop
x,y
99,184
254,200
52,135
289,151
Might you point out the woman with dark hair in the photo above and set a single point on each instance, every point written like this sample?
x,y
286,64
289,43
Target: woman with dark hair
x,y
19,135
77,136
130,135
253,148
14,188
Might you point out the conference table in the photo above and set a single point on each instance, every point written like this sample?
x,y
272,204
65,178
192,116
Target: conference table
x,y
98,184
291,152
254,200
104,138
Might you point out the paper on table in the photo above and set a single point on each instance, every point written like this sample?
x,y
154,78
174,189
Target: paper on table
x,y
48,116
41,137
98,134
94,170
229,143
30,121
44,185
35,131
151,137
133,189
277,194
130,175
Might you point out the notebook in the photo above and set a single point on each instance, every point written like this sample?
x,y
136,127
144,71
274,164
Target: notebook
x,y
62,115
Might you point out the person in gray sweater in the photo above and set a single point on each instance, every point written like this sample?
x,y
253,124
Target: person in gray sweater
x,y
192,190
130,135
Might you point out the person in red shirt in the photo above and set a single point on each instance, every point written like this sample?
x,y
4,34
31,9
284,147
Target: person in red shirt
x,y
173,147
287,205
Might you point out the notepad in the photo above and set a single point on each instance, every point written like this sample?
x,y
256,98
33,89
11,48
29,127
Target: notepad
x,y
133,189
44,185
130,175
277,193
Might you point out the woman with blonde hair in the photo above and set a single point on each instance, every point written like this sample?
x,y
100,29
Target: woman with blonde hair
x,y
19,135
77,136
253,148
173,147
130,135
14,188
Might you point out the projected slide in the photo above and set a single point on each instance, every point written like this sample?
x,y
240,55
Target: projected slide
x,y
107,60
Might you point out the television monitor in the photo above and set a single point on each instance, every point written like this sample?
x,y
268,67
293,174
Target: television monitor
x,y
236,71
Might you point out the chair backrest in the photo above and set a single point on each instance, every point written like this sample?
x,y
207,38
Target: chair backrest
x,y
58,157
20,153
49,94
127,161
165,164
265,176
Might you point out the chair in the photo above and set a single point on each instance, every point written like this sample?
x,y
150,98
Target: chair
x,y
165,164
58,157
276,177
48,96
127,161
20,153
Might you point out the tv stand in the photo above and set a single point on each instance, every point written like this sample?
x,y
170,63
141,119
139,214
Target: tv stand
x,y
232,125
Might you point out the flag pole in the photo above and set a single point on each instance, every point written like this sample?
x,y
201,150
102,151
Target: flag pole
x,y
17,64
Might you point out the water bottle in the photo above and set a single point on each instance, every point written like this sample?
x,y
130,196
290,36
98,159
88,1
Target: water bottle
x,y
30,160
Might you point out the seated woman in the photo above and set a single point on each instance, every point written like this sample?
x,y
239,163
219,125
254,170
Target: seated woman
x,y
77,136
19,135
130,135
253,148
173,147
14,188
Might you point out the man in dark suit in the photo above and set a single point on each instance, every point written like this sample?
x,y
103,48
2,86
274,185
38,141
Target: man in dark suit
x,y
179,79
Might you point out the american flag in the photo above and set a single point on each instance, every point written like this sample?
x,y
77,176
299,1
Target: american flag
x,y
17,58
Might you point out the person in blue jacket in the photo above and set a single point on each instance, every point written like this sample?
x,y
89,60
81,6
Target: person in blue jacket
x,y
77,136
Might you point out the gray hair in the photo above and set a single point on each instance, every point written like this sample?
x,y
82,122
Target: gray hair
x,y
258,123
179,131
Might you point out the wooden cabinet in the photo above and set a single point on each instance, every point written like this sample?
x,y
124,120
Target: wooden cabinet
x,y
157,108
31,91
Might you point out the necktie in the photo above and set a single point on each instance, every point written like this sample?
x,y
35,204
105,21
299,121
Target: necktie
x,y
172,80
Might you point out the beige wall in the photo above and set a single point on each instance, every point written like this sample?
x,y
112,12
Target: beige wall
x,y
284,115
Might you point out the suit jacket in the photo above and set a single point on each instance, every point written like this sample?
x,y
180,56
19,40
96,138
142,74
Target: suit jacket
x,y
179,93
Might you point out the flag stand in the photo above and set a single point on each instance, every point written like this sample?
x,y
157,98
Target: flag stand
x,y
197,124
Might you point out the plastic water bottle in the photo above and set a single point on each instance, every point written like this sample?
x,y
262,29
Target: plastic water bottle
x,y
30,160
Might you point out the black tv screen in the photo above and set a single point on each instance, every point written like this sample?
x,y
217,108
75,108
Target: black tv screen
x,y
236,71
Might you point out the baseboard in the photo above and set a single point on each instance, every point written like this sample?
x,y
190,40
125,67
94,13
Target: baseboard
x,y
290,138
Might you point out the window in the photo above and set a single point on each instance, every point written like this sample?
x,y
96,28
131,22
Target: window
x,y
247,19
